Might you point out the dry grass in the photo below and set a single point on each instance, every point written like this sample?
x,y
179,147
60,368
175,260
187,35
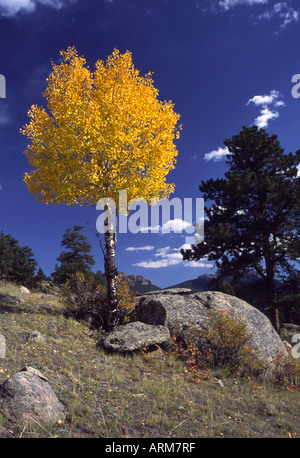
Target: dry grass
x,y
149,396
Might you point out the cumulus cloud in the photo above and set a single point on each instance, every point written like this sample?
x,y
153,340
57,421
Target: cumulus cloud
x,y
283,11
167,256
268,105
140,248
271,99
175,225
227,4
11,7
269,10
216,155
266,115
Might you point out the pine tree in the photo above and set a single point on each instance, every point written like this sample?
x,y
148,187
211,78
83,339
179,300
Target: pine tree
x,y
17,264
253,222
77,259
7,243
40,276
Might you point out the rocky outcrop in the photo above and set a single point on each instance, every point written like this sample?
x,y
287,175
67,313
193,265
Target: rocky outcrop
x,y
134,336
137,283
27,396
179,310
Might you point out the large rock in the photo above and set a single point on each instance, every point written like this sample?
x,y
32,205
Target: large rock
x,y
134,336
27,396
180,310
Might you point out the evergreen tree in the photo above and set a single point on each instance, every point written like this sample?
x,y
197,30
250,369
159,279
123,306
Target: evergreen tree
x,y
17,264
40,276
7,244
77,259
253,222
24,266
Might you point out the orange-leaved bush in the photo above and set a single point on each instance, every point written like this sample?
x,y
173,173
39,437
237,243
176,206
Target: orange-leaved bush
x,y
222,341
81,296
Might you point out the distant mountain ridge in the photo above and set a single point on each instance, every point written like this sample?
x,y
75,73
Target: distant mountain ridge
x,y
205,282
198,284
137,283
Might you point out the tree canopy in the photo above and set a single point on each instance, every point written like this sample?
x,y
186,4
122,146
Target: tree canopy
x,y
102,132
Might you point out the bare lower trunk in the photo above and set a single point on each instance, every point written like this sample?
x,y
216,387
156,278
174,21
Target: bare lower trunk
x,y
111,274
271,297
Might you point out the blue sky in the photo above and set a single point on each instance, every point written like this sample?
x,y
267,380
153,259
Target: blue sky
x,y
224,64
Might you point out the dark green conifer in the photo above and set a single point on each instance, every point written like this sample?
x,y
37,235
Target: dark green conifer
x,y
77,259
253,221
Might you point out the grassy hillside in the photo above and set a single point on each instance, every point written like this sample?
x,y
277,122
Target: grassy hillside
x,y
142,395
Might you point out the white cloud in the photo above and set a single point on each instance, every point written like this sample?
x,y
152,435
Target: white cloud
x,y
271,99
140,248
227,4
170,257
284,12
216,155
174,225
150,228
266,115
166,262
273,10
11,7
268,107
198,264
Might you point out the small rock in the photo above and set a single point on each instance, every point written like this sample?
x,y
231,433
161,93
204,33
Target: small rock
x,y
287,345
181,408
25,290
270,409
53,326
36,336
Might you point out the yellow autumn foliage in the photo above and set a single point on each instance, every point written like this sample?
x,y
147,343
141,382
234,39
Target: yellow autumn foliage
x,y
101,132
